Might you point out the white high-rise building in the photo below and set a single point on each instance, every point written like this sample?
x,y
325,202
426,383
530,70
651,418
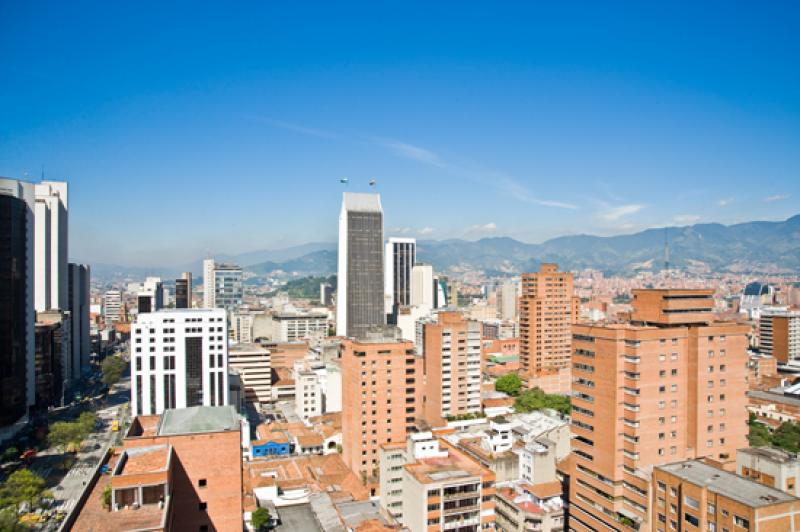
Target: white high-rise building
x,y
422,286
51,246
507,294
222,285
179,358
150,295
400,256
112,306
360,284
253,364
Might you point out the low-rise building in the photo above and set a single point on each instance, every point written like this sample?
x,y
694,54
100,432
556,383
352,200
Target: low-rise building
x,y
693,495
770,466
253,364
522,507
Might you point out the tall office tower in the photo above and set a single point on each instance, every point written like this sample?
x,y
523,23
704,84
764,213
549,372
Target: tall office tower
x,y
17,351
422,286
400,256
507,294
382,382
78,297
359,296
779,334
150,297
547,310
112,306
452,357
183,291
50,256
179,359
669,385
222,285
50,348
325,294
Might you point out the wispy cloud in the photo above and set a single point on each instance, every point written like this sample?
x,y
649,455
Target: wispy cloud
x,y
400,230
520,192
481,229
415,153
425,231
686,218
724,202
615,213
776,197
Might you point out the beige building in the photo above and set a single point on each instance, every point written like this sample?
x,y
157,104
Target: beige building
x,y
770,466
453,367
670,385
432,485
692,495
524,507
382,382
547,310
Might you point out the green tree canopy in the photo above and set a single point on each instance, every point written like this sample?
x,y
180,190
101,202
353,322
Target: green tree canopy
x,y
21,486
509,383
260,518
536,399
113,367
787,436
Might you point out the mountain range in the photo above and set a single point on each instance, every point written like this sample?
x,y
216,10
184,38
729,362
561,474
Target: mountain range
x,y
758,247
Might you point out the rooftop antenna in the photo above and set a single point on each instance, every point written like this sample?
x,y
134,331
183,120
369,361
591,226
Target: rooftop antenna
x,y
42,172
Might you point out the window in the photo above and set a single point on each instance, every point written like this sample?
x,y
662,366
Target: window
x,y
691,502
202,483
692,520
202,506
661,486
741,521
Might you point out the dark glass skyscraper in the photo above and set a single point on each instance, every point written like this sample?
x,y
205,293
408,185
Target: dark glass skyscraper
x,y
360,289
17,385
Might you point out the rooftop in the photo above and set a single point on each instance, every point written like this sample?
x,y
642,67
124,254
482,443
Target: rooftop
x,y
773,454
150,459
455,467
740,489
198,419
361,202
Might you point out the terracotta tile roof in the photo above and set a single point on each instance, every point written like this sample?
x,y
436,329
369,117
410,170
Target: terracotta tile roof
x,y
545,490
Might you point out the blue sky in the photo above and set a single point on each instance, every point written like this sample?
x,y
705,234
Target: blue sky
x,y
184,129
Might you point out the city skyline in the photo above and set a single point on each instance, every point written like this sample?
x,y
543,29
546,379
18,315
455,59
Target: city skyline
x,y
546,121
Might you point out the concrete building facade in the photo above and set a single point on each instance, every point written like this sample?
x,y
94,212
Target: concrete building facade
x,y
547,310
400,256
252,362
360,282
382,383
668,386
779,334
179,359
453,367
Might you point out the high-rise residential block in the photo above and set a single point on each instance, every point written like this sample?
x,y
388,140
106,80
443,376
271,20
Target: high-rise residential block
x,y
179,358
423,286
453,367
112,306
222,285
507,294
669,385
382,382
183,291
360,292
325,294
692,495
17,318
400,256
150,296
51,242
779,334
547,310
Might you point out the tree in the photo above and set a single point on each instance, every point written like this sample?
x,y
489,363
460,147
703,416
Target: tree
x,y
536,399
107,496
63,433
86,422
260,519
787,436
9,522
21,486
509,383
759,434
10,454
113,368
